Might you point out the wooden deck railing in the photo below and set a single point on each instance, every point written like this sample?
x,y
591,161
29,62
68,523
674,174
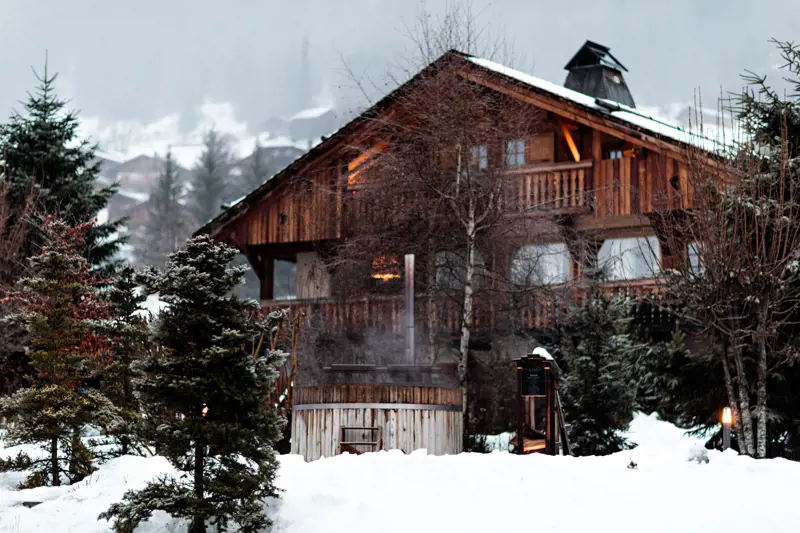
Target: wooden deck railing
x,y
384,314
558,186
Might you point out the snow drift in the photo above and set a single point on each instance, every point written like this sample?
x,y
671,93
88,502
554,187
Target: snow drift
x,y
390,492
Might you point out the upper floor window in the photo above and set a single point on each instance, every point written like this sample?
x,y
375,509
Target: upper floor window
x,y
515,153
628,259
541,264
615,154
479,157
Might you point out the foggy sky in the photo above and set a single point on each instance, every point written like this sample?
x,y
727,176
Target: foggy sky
x,y
144,59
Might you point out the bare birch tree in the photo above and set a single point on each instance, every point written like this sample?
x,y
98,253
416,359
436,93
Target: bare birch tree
x,y
740,275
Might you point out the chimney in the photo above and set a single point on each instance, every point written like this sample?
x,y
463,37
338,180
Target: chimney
x,y
594,71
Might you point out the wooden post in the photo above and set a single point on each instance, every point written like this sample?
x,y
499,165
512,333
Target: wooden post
x,y
551,416
267,278
521,419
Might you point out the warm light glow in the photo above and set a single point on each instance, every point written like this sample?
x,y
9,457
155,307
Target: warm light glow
x,y
205,410
353,169
572,147
727,416
385,268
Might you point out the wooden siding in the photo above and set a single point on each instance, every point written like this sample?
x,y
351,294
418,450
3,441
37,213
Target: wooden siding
x,y
383,394
302,210
316,431
631,186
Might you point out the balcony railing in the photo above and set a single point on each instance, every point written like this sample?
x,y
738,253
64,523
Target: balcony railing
x,y
558,186
493,314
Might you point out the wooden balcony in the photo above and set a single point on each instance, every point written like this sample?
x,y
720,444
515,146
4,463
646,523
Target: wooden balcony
x,y
385,314
559,187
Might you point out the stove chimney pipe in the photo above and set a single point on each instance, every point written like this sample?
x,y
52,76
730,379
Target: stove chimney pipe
x,y
409,303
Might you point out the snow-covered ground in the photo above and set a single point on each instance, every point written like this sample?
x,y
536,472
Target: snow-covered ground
x,y
390,492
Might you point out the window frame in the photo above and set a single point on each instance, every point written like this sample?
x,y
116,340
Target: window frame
x,y
514,150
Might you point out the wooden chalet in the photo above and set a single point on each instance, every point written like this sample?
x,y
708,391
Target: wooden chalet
x,y
600,167
603,163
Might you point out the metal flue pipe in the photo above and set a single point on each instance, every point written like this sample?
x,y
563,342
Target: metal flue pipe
x,y
409,303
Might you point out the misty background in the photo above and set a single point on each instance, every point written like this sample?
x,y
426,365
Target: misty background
x,y
137,62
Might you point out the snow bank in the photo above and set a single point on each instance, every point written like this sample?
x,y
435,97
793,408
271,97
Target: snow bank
x,y
389,492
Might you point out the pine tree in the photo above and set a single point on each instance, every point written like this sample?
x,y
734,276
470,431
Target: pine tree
x,y
210,188
257,172
207,393
167,226
43,153
128,334
60,309
597,352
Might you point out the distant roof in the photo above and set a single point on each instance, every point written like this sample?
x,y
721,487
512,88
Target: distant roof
x,y
310,113
591,54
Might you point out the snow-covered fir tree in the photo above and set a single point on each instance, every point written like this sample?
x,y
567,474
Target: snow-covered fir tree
x,y
207,394
597,352
210,187
60,308
167,224
42,151
127,331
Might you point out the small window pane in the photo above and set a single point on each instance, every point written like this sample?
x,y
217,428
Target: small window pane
x,y
515,153
480,157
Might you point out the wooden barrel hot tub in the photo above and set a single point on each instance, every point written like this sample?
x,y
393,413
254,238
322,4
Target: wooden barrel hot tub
x,y
330,419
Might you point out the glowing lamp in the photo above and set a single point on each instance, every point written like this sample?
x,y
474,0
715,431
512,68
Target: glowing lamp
x,y
205,410
727,416
727,420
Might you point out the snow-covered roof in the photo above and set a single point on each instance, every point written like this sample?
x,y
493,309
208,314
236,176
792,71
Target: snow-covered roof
x,y
109,156
543,353
134,195
613,109
313,112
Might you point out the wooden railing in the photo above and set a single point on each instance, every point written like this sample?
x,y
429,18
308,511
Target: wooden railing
x,y
384,314
558,186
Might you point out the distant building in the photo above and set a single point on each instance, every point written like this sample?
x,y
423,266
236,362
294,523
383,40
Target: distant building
x,y
313,123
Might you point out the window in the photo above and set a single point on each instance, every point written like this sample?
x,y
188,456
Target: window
x,y
615,154
541,264
479,157
385,268
627,259
515,153
284,285
451,270
695,262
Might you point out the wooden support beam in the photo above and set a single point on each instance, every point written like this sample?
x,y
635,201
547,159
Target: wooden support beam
x,y
267,278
